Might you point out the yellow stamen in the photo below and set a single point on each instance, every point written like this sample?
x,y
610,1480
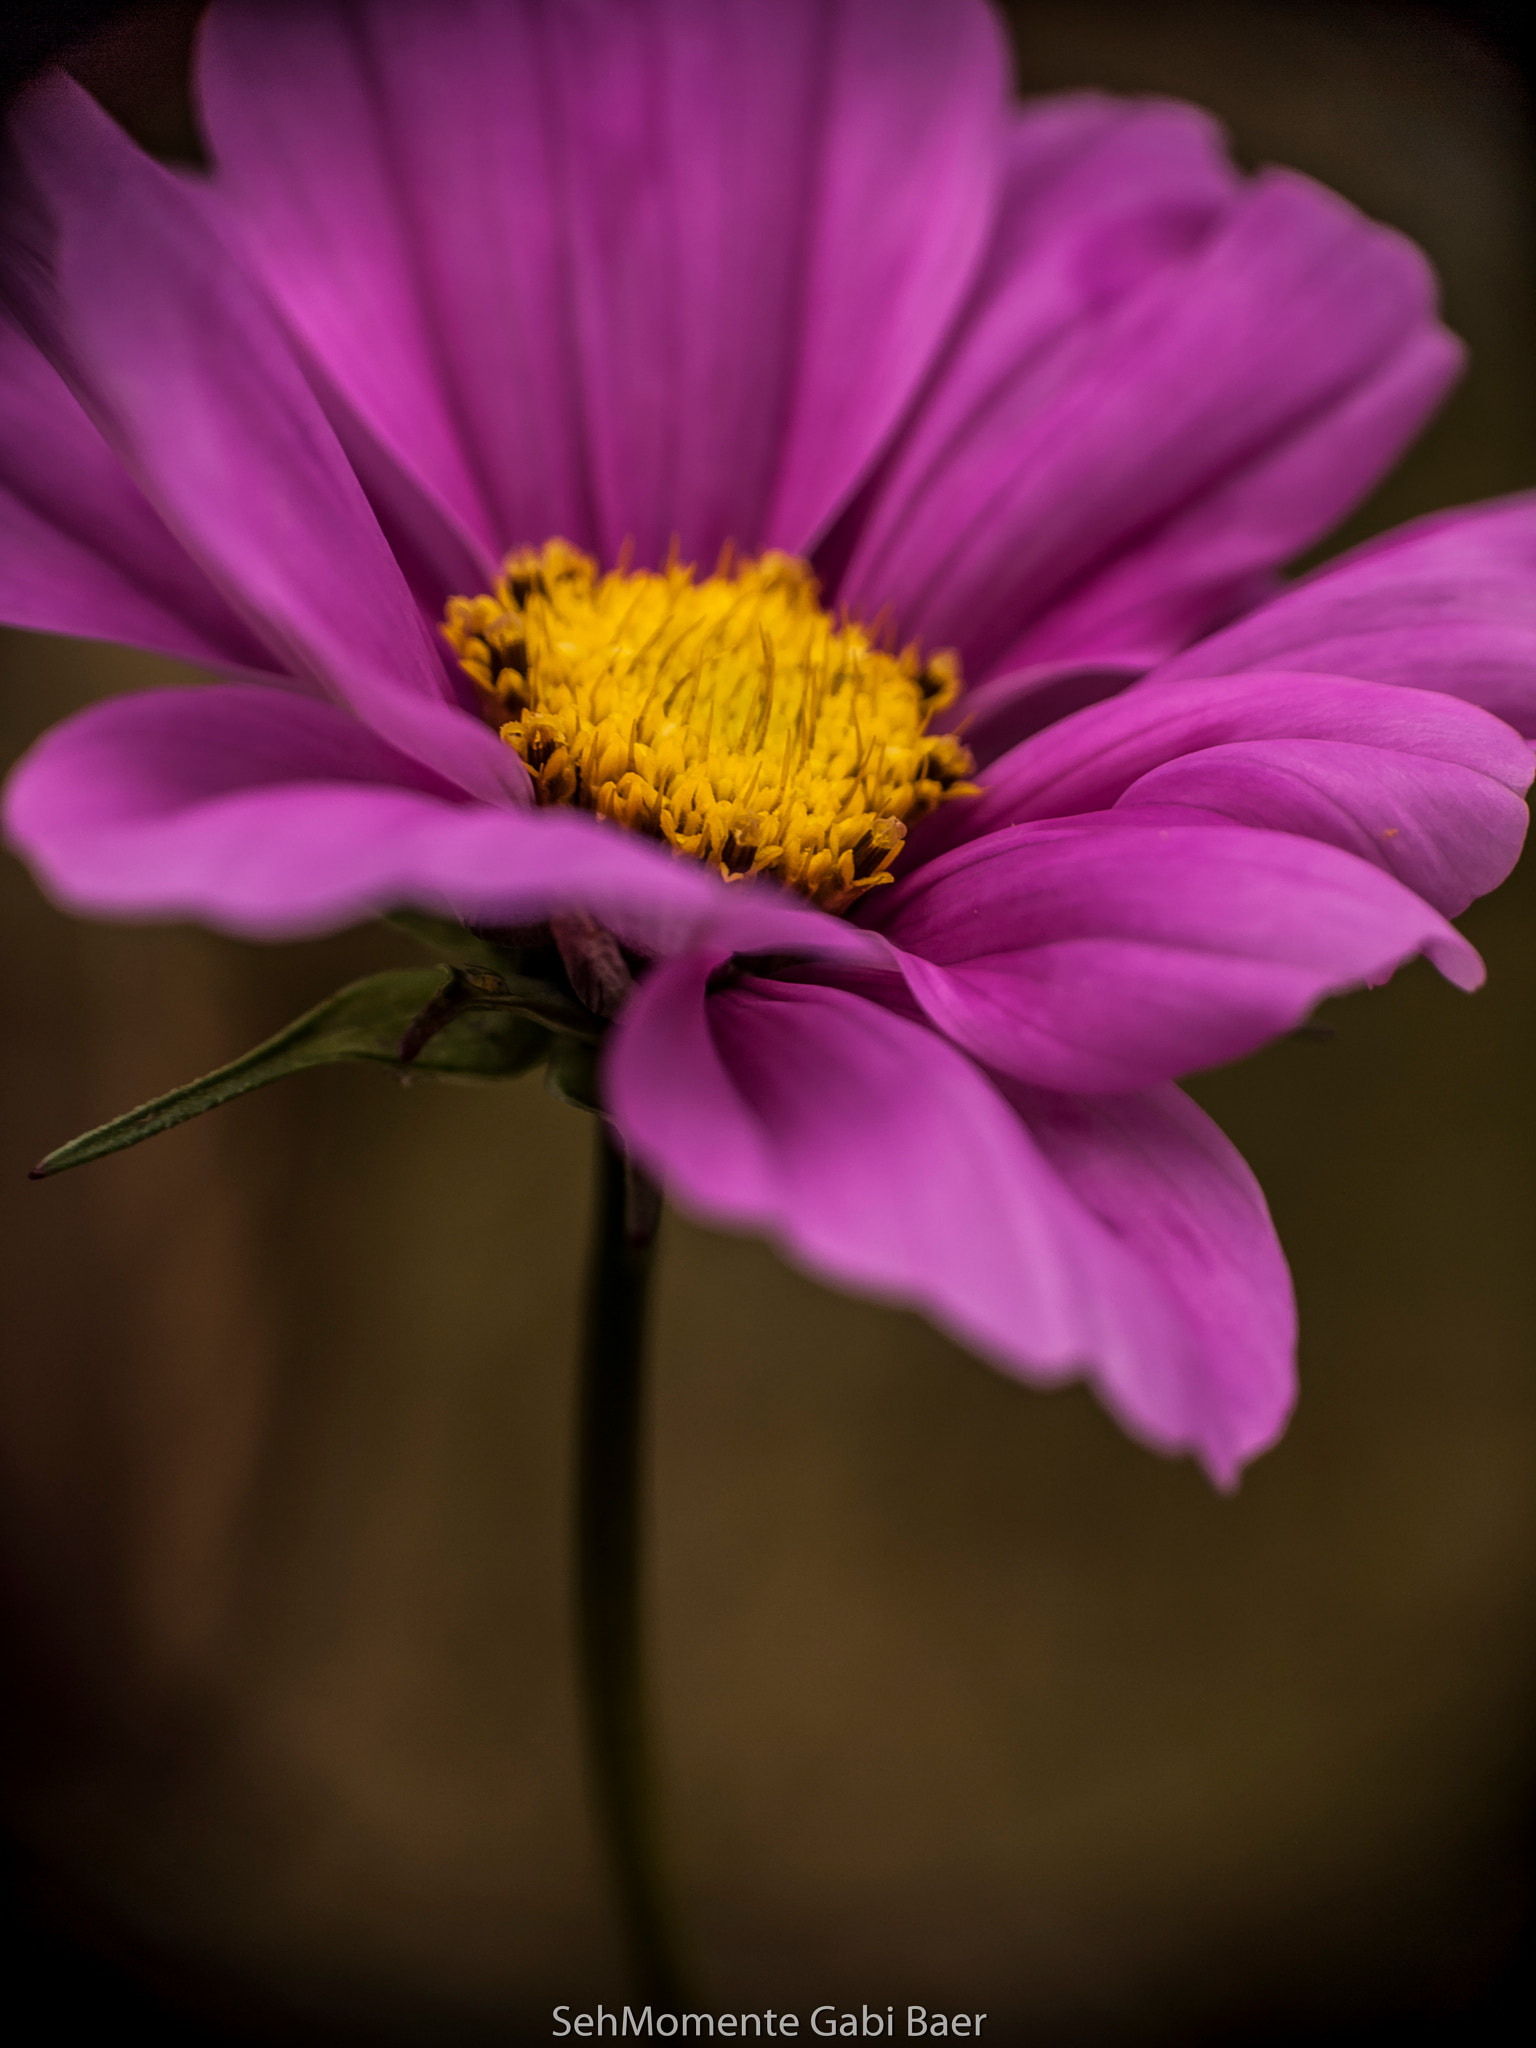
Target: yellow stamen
x,y
731,718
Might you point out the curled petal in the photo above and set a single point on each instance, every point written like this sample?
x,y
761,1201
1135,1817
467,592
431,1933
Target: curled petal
x,y
1420,784
1158,1173
1108,953
1446,832
880,1158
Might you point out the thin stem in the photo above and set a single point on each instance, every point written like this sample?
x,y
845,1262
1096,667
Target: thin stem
x,y
626,1212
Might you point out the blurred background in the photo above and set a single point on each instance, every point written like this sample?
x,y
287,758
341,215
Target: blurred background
x,y
964,1699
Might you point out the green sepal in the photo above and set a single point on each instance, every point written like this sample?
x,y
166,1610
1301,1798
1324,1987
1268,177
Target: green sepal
x,y
478,955
455,944
366,1021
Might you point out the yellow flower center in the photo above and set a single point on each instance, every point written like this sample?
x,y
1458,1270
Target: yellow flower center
x,y
732,718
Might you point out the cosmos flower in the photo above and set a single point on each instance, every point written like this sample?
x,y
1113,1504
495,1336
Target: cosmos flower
x,y
719,479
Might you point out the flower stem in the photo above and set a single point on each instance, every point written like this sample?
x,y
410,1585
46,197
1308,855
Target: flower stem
x,y
627,1210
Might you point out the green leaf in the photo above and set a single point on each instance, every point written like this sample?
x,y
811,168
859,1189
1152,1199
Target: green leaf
x,y
366,1021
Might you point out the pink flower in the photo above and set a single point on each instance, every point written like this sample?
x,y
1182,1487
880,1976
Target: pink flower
x,y
1055,388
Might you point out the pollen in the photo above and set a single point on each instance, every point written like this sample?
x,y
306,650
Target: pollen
x,y
731,717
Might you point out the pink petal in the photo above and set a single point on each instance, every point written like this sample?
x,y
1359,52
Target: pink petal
x,y
1015,704
878,1157
271,815
635,299
1446,832
1448,603
415,246
913,139
182,366
1091,759
1156,1171
1422,785
1100,197
1109,485
81,551
1219,554
1111,952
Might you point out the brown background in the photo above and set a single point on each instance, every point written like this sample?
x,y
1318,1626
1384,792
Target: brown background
x,y
965,1699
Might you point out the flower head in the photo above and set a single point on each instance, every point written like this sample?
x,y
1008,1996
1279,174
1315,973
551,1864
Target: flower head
x,y
422,420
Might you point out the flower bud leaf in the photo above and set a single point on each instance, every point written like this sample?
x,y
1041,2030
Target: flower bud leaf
x,y
365,1021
